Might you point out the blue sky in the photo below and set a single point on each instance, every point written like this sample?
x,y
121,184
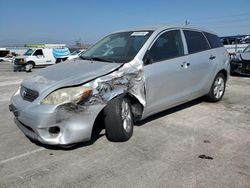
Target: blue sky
x,y
45,21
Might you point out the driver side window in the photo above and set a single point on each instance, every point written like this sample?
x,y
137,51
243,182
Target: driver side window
x,y
167,46
38,52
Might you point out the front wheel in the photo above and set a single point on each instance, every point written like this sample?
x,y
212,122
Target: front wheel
x,y
217,89
29,66
118,119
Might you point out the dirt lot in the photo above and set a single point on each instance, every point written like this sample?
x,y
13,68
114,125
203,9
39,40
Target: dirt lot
x,y
163,152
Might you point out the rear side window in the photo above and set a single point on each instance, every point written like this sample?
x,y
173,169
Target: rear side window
x,y
168,45
213,40
38,52
196,42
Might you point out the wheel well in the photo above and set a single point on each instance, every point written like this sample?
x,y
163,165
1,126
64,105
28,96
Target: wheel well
x,y
98,125
32,62
137,109
224,72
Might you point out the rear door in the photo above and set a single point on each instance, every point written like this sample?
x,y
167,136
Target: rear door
x,y
202,61
166,72
218,54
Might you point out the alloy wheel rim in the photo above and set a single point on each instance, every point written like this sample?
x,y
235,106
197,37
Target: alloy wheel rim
x,y
219,87
126,116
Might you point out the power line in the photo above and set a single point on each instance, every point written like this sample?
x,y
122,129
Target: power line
x,y
219,17
224,21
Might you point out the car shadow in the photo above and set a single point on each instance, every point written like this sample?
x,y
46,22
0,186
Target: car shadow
x,y
239,75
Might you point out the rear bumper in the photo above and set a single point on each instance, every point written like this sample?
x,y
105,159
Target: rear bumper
x,y
35,121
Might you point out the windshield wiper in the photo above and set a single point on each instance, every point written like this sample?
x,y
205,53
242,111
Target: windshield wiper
x,y
86,58
102,59
97,59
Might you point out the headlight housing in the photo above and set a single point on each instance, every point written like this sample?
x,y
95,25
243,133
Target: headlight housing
x,y
68,95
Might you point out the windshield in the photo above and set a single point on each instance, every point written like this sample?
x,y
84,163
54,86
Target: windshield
x,y
29,52
247,49
118,47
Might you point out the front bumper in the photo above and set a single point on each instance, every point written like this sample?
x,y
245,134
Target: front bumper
x,y
241,67
35,121
17,67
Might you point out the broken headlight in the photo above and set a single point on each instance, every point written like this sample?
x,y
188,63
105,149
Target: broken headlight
x,y
67,95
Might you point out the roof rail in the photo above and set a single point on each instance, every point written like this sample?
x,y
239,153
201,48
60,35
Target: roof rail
x,y
45,45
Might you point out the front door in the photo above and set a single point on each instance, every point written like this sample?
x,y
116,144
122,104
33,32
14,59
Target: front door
x,y
166,72
39,57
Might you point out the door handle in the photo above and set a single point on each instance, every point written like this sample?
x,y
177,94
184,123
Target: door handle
x,y
212,57
185,64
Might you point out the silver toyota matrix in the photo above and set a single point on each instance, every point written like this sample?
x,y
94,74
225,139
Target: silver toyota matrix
x,y
125,77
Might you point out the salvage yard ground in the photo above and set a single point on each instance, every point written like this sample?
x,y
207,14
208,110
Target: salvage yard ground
x,y
197,144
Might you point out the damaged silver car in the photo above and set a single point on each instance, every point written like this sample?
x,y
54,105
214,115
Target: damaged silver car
x,y
125,77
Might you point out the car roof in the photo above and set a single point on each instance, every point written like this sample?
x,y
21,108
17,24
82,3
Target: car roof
x,y
165,27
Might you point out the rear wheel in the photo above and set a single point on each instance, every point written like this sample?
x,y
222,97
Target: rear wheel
x,y
118,119
217,89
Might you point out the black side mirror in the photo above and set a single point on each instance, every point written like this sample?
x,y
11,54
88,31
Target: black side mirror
x,y
148,58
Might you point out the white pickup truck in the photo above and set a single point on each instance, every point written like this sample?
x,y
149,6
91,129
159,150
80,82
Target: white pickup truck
x,y
43,55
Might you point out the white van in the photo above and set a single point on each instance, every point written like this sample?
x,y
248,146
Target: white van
x,y
43,55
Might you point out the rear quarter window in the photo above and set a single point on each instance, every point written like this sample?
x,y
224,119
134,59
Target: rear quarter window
x,y
196,42
213,40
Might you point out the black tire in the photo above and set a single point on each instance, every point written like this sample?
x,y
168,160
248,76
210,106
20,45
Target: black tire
x,y
114,119
232,69
214,96
31,64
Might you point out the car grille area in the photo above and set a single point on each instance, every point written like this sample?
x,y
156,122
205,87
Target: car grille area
x,y
19,61
28,94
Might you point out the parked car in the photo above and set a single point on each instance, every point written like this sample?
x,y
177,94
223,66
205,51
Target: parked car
x,y
40,56
76,54
125,77
235,43
240,64
5,55
7,58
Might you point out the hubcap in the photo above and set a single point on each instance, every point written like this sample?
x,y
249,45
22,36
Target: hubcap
x,y
126,116
219,87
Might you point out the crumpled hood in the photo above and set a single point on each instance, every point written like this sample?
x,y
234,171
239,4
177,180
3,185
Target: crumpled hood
x,y
67,74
